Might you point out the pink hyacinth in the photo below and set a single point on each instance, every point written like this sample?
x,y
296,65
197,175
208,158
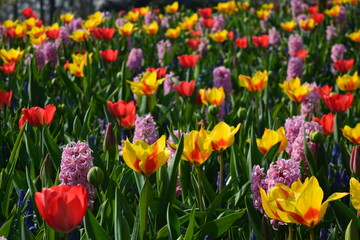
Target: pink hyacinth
x,y
257,180
135,59
76,161
310,104
222,78
294,44
282,171
145,129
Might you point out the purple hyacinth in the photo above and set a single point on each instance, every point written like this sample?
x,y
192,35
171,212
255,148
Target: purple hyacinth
x,y
257,180
2,30
163,48
310,103
295,68
263,25
294,44
222,78
3,238
337,52
203,46
282,171
149,18
145,129
165,22
168,83
218,24
331,32
342,15
297,7
274,36
135,59
46,53
75,24
295,128
120,22
64,37
76,161
178,134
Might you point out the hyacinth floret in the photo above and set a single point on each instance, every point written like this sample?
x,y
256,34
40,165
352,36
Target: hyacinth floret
x,y
145,129
76,161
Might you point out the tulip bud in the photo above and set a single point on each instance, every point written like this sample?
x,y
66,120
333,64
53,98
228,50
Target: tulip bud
x,y
316,136
355,160
241,113
109,139
95,176
77,126
213,110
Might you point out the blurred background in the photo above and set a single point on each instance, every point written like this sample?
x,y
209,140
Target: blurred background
x,y
48,9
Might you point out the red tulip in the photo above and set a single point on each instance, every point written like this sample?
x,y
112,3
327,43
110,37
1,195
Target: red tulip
x,y
261,41
193,43
37,116
205,12
9,33
302,53
343,65
230,35
326,122
185,89
109,55
103,33
8,68
160,72
318,17
62,207
5,98
123,112
28,13
187,61
194,33
324,91
313,9
208,23
53,34
338,102
241,42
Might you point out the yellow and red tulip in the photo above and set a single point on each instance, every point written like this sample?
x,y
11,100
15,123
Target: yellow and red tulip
x,y
214,96
300,204
147,85
270,138
333,12
127,29
79,35
172,8
294,90
219,36
13,55
67,17
288,26
255,84
222,136
352,134
348,82
152,28
355,36
144,158
173,32
355,193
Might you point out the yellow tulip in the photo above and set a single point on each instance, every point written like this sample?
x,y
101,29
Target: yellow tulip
x,y
147,85
10,24
294,90
267,6
79,35
355,36
222,136
152,28
197,147
348,82
307,24
89,24
13,55
127,29
37,40
355,193
227,7
172,8
263,13
300,204
36,31
288,26
132,16
214,96
81,59
77,70
270,138
173,32
29,23
144,158
67,17
219,36
96,17
189,22
333,12
352,134
144,11
255,84
55,26
20,31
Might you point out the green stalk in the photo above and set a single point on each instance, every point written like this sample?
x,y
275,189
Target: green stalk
x,y
201,207
147,205
291,232
312,234
221,162
66,236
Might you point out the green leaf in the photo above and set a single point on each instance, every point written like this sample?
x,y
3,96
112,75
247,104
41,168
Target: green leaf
x,y
254,218
121,226
343,214
333,235
351,232
6,227
172,223
25,233
309,157
93,229
52,148
190,229
219,226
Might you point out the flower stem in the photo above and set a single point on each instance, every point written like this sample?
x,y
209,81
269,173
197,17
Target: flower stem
x,y
147,205
312,234
201,208
221,162
66,236
256,109
291,232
